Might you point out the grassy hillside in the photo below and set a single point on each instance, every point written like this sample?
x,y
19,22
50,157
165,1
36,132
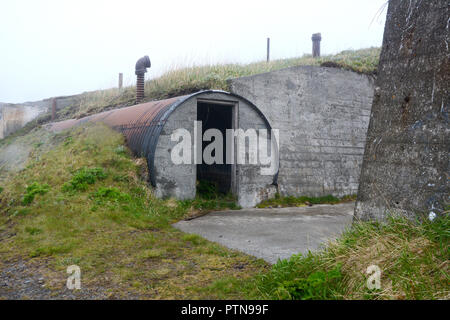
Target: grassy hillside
x,y
192,79
86,202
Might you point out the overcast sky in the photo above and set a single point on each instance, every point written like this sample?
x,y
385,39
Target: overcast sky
x,y
62,47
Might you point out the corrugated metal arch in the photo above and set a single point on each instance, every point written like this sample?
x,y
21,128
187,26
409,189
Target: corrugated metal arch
x,y
142,124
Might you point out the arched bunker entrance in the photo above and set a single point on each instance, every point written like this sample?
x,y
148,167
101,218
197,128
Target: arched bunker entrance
x,y
153,130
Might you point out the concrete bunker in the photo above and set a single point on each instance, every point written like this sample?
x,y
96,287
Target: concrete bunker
x,y
322,115
156,130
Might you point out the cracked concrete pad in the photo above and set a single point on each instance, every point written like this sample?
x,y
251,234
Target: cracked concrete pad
x,y
273,234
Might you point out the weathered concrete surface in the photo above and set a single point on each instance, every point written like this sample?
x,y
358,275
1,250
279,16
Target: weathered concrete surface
x,y
273,234
13,117
405,168
322,115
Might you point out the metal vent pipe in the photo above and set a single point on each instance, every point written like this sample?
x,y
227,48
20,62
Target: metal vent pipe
x,y
141,68
316,38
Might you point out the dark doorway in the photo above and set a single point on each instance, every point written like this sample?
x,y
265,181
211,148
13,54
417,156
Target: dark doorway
x,y
215,116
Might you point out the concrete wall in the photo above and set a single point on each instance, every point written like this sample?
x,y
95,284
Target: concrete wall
x,y
13,117
175,180
322,115
405,167
180,180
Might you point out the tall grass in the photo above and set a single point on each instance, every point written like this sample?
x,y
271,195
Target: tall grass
x,y
181,81
413,257
191,79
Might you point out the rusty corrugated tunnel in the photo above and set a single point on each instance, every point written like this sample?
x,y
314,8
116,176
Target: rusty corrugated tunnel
x,y
143,125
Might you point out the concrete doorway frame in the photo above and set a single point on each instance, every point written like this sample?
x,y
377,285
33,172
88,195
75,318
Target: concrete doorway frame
x,y
234,105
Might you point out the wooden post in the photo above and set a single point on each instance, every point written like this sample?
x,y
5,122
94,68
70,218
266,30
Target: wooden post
x,y
120,80
316,38
53,109
268,49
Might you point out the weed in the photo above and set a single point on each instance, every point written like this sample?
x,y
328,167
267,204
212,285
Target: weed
x,y
51,250
83,177
33,190
68,141
121,178
21,212
193,238
32,230
151,254
318,285
111,194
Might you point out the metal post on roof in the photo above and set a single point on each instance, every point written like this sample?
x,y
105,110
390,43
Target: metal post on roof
x,y
53,109
120,80
316,38
268,49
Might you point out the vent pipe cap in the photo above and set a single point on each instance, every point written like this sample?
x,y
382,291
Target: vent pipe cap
x,y
142,64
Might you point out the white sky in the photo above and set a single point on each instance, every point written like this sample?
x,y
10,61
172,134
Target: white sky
x,y
62,47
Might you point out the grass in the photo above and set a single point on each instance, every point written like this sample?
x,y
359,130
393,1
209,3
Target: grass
x,y
191,79
413,257
87,205
188,80
291,201
33,190
91,208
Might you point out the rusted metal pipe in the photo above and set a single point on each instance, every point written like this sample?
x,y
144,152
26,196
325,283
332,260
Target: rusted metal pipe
x,y
142,124
141,68
140,88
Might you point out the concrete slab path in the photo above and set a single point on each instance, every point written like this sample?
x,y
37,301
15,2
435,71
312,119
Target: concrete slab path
x,y
273,234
